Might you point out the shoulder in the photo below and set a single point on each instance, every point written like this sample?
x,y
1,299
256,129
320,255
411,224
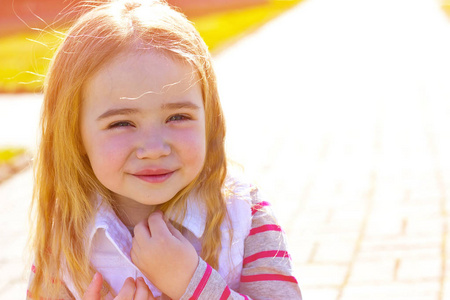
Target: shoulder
x,y
245,200
239,191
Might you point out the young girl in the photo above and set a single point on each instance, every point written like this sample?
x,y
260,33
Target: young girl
x,y
132,197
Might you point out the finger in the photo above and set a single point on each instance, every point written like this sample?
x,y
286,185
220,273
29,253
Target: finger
x,y
141,230
140,239
157,225
109,297
93,291
135,248
175,232
142,290
127,291
165,217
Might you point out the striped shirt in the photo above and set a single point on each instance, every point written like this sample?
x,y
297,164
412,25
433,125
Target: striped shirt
x,y
254,265
266,266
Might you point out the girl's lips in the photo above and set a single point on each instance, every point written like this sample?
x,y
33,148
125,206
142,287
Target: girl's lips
x,y
148,172
154,176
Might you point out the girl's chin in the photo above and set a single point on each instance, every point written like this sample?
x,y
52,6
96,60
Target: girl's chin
x,y
142,203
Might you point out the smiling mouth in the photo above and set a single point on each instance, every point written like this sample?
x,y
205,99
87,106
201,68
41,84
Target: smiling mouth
x,y
154,176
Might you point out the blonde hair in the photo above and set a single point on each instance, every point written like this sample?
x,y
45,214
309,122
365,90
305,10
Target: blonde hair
x,y
65,181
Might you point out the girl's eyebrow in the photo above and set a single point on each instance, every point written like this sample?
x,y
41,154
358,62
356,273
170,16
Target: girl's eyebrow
x,y
178,105
116,112
130,111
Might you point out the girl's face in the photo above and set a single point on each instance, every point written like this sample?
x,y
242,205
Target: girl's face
x,y
143,127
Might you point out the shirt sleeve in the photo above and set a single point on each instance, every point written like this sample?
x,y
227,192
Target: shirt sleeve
x,y
267,267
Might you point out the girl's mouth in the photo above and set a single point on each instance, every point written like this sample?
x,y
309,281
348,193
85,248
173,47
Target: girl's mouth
x,y
154,176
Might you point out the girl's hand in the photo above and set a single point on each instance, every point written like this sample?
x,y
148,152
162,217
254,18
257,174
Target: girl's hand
x,y
163,255
130,290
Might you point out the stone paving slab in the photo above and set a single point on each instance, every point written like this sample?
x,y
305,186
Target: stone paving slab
x,y
340,111
347,130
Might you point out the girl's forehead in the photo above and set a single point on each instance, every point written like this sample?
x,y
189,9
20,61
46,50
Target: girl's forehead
x,y
134,74
156,69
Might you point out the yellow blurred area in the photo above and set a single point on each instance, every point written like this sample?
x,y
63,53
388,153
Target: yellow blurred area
x,y
24,60
446,6
24,57
219,29
8,154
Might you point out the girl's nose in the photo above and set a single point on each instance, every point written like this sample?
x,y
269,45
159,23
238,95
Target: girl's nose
x,y
152,147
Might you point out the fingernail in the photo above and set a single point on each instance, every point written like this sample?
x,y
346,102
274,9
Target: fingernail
x,y
96,276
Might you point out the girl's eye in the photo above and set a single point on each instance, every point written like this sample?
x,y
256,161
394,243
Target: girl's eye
x,y
178,117
120,124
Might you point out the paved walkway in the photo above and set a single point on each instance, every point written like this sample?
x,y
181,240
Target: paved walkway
x,y
340,110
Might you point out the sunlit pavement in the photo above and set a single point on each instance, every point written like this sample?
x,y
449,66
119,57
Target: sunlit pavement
x,y
340,111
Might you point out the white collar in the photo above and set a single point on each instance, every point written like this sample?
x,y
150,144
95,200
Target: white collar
x,y
106,218
194,220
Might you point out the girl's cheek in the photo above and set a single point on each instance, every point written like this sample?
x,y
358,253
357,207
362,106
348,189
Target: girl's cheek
x,y
191,139
192,145
112,148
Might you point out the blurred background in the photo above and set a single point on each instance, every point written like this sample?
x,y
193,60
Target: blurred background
x,y
338,110
31,30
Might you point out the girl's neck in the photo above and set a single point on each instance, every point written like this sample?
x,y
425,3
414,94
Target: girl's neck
x,y
131,212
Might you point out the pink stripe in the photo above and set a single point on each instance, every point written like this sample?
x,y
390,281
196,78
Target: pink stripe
x,y
258,206
33,269
226,293
202,283
269,227
268,277
265,254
